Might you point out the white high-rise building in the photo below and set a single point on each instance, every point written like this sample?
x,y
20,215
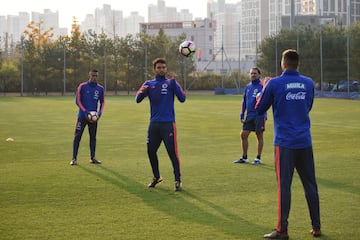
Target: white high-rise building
x,y
112,22
48,20
108,21
344,12
132,23
312,12
161,13
88,24
227,31
14,27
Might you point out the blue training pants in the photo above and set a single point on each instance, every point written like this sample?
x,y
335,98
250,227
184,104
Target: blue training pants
x,y
286,160
79,129
166,132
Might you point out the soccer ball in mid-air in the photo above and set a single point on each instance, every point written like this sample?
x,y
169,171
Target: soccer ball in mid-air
x,y
93,116
187,48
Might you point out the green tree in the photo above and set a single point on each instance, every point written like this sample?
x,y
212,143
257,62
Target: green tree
x,y
354,43
132,53
75,49
9,73
322,51
36,41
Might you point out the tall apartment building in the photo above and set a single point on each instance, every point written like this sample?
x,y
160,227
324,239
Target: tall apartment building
x,y
312,12
108,21
49,20
162,13
12,27
112,22
344,12
132,23
258,19
226,17
88,23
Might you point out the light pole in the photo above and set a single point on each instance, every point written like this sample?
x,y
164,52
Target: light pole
x,y
64,66
22,65
348,44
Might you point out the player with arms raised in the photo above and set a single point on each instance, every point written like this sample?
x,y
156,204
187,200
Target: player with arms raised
x,y
161,92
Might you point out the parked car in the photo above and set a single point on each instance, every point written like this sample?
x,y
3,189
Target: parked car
x,y
345,85
325,86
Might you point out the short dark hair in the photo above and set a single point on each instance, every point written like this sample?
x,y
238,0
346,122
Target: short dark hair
x,y
291,58
158,60
256,68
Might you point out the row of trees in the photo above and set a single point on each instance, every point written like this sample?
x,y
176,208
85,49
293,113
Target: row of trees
x,y
38,64
328,54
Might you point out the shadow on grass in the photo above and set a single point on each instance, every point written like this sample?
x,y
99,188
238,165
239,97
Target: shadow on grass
x,y
339,186
324,182
185,206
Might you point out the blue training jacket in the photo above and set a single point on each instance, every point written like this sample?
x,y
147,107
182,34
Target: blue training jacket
x,y
161,92
88,96
251,91
291,96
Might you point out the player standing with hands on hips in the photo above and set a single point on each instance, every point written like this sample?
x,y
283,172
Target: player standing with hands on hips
x,y
252,122
291,96
89,95
161,92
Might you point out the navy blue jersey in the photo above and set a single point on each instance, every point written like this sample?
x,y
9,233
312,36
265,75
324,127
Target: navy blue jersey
x,y
249,102
88,96
161,92
291,96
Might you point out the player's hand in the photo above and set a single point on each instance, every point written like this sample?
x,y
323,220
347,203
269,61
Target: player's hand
x,y
242,117
171,75
144,88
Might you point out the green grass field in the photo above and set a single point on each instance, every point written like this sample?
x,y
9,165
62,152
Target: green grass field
x,y
43,197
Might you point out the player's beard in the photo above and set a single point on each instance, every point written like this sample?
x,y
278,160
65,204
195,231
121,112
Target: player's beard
x,y
161,73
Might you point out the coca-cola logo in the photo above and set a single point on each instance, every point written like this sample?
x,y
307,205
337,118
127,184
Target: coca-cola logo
x,y
295,96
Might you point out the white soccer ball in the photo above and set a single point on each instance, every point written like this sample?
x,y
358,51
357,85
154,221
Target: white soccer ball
x,y
187,48
93,116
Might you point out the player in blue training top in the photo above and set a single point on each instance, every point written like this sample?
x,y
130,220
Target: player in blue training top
x,y
89,97
252,122
161,92
291,96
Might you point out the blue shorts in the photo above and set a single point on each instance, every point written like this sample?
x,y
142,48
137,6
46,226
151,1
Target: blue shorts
x,y
254,124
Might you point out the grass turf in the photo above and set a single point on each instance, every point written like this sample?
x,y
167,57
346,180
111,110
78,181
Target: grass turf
x,y
43,197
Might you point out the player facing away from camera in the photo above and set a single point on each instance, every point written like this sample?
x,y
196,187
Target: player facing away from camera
x,y
291,96
161,92
252,122
89,97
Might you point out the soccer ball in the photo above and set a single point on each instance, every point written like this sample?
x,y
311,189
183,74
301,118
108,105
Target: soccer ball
x,y
187,48
93,116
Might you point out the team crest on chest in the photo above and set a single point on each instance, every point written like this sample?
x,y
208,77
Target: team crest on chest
x,y
96,94
164,88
